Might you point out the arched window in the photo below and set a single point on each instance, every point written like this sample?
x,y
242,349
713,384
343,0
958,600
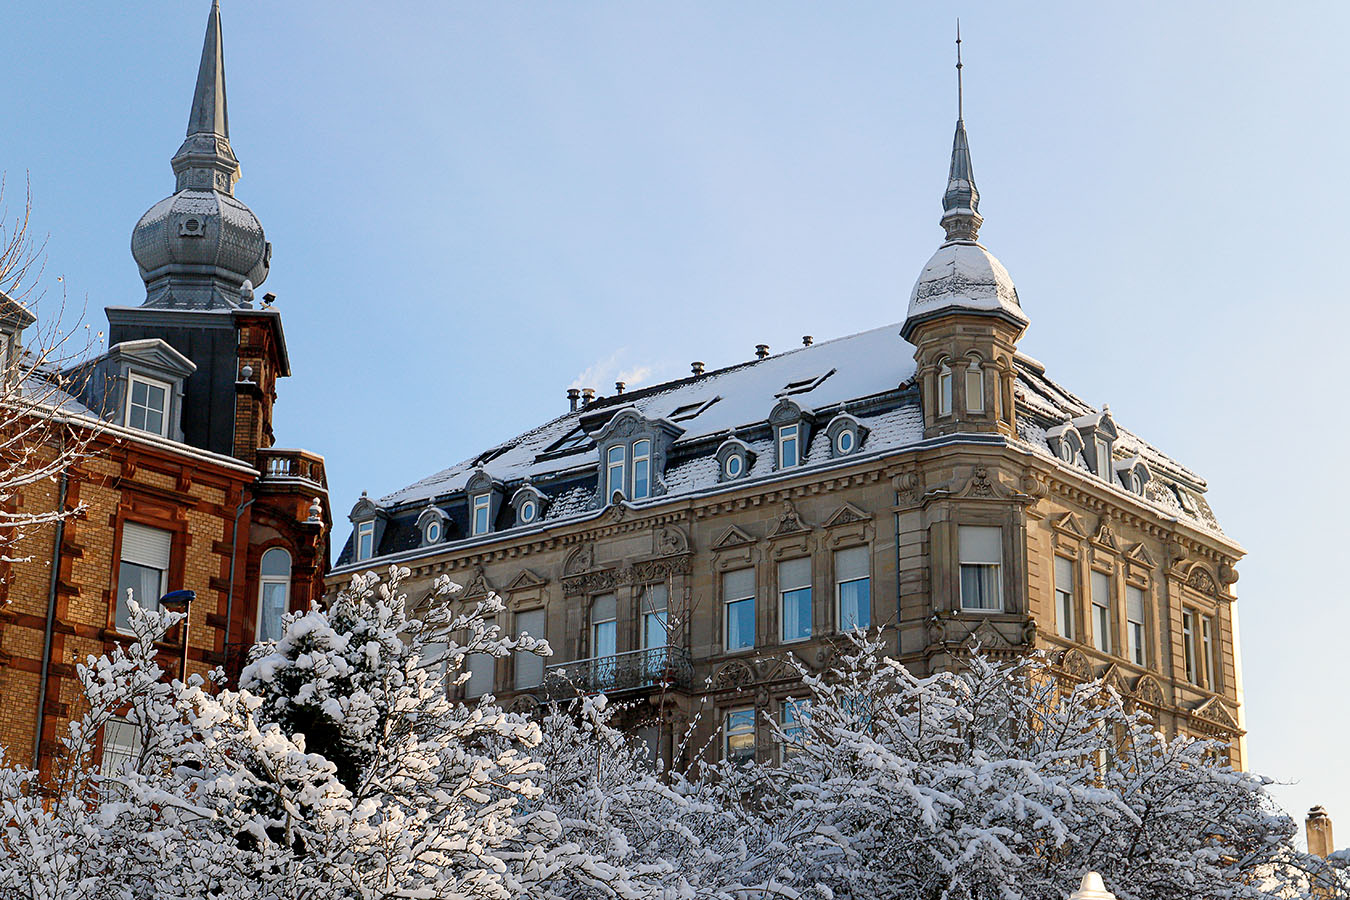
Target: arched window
x,y
974,386
433,532
274,592
944,389
642,469
528,509
614,473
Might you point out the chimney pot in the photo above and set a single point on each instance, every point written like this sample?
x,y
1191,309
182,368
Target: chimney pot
x,y
807,340
761,350
573,397
697,367
619,386
587,395
1318,828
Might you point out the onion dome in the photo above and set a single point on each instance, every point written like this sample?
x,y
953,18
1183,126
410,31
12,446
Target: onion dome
x,y
196,248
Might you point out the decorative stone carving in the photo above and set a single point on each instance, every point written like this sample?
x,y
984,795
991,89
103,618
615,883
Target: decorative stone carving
x,y
907,485
478,585
733,675
581,559
986,637
937,630
670,541
789,521
1200,579
1029,630
1075,665
524,704
847,515
1148,692
1227,574
732,537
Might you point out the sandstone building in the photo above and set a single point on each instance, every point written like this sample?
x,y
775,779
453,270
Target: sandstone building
x,y
678,544
182,488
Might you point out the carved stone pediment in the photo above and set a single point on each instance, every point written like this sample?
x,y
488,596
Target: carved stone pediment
x,y
1113,677
1216,711
1149,692
1075,665
671,541
789,521
580,560
477,586
1139,554
734,536
1070,524
1106,537
986,637
983,485
1200,579
524,581
847,514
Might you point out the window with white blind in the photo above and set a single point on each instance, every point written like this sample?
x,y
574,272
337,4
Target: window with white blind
x,y
604,626
143,569
529,666
1065,579
121,745
1207,651
981,568
974,387
365,541
794,599
738,609
482,672
1188,648
642,469
274,592
944,389
482,514
1134,624
853,588
1101,611
652,600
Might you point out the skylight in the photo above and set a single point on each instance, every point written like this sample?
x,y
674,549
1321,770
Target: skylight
x,y
690,410
576,439
804,385
490,455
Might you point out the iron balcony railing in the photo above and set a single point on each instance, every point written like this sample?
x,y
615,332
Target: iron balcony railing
x,y
637,670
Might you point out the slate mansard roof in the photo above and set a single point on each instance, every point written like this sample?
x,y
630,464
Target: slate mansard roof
x,y
869,376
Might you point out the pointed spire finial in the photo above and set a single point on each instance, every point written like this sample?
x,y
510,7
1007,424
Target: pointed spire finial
x,y
961,202
206,161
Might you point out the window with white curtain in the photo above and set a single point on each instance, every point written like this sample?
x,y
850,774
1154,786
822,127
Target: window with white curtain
x,y
1188,648
1207,651
1101,611
642,469
853,588
274,592
738,608
652,600
144,569
974,387
604,626
529,666
1134,624
1064,593
944,390
981,554
794,599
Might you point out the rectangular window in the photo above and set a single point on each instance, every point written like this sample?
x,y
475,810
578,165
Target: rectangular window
x,y
642,469
738,735
795,711
147,405
1101,611
482,675
944,381
738,608
482,511
614,473
365,541
1103,459
794,598
529,666
1064,591
787,446
853,588
604,626
654,621
144,569
1134,623
974,387
1188,653
981,565
121,745
1207,651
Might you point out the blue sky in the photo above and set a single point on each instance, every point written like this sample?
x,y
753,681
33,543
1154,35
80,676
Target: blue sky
x,y
473,204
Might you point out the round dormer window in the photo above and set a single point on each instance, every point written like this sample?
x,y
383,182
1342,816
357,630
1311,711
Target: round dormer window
x,y
1136,483
433,532
734,466
845,442
528,510
1065,450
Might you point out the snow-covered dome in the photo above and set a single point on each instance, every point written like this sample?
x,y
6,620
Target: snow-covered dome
x,y
963,275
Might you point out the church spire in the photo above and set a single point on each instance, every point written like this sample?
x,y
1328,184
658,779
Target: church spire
x,y
205,161
961,203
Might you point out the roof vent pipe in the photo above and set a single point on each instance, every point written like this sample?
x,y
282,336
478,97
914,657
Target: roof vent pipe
x,y
761,350
807,340
619,386
697,367
573,398
587,397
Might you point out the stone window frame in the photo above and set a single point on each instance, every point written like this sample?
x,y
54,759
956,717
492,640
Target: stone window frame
x,y
780,549
528,493
1104,560
734,446
839,425
433,515
978,362
787,412
1094,428
482,484
627,427
942,368
744,556
1207,609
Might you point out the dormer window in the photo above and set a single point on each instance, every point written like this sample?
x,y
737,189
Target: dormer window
x,y
432,533
529,511
482,514
974,386
614,472
844,443
845,434
529,504
944,390
1136,484
1098,432
1133,474
734,459
734,466
148,405
788,438
433,524
642,469
1066,451
365,541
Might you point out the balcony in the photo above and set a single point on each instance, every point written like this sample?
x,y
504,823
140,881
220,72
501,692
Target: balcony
x,y
659,668
292,467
